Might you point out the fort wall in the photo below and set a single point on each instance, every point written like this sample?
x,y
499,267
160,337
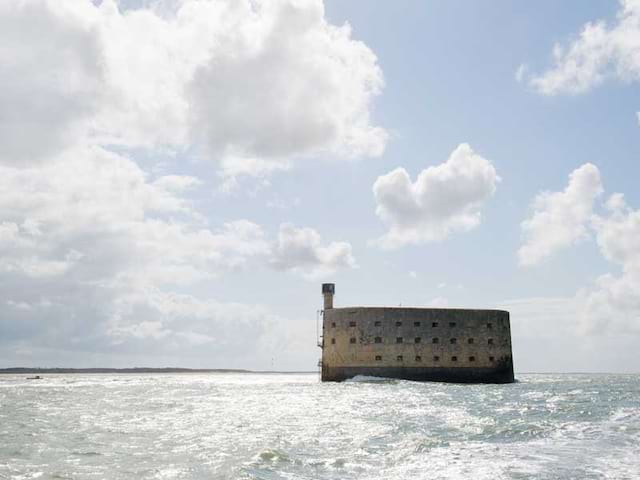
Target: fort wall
x,y
456,345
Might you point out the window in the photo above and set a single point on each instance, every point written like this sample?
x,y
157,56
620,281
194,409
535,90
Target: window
x,y
333,324
417,340
352,324
416,324
454,359
436,358
435,340
333,341
378,358
418,358
491,359
489,326
377,323
378,340
398,324
399,340
452,324
490,341
399,358
472,359
470,341
352,340
453,341
434,324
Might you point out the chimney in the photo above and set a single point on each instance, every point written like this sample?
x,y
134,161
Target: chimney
x,y
328,289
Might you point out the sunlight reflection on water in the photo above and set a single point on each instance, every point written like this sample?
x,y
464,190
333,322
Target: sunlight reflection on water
x,y
277,426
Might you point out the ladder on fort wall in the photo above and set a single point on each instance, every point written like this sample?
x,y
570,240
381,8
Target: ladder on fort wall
x,y
319,337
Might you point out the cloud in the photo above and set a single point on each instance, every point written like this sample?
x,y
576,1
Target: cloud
x,y
102,205
556,323
51,78
94,255
560,219
444,199
521,72
614,302
94,218
300,250
601,51
611,304
292,84
252,85
179,322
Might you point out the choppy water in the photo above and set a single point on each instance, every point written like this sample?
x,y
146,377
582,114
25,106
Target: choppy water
x,y
252,426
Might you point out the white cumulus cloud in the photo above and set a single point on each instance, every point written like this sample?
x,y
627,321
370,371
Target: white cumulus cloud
x,y
611,304
444,199
560,218
291,84
252,85
614,302
600,51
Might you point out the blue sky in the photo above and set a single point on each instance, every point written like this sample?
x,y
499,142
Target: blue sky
x,y
282,133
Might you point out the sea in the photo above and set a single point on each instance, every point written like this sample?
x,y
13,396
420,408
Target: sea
x,y
292,426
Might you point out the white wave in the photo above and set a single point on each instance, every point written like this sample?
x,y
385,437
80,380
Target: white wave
x,y
369,379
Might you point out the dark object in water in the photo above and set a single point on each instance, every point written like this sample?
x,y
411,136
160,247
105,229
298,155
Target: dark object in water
x,y
37,377
420,344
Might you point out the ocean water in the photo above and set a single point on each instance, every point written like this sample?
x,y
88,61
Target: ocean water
x,y
291,426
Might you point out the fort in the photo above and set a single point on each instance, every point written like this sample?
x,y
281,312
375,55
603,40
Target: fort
x,y
423,344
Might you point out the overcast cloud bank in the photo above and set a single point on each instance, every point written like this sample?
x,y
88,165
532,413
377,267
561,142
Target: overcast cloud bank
x,y
95,252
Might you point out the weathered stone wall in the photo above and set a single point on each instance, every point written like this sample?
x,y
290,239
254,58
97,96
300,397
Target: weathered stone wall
x,y
417,343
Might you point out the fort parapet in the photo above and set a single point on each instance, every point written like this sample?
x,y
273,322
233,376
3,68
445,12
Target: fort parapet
x,y
424,344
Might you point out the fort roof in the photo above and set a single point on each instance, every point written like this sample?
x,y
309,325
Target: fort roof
x,y
412,307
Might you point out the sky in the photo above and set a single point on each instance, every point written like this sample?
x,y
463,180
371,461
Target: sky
x,y
178,177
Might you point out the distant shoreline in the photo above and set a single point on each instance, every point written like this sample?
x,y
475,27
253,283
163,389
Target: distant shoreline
x,y
25,370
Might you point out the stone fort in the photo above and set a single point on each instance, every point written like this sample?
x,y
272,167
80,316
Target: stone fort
x,y
424,344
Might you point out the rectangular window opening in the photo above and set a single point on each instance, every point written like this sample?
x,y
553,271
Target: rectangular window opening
x,y
490,341
399,340
489,326
491,359
417,340
398,324
378,358
399,358
470,341
452,324
418,358
377,323
472,359
434,324
378,340
454,359
435,340
333,341
333,324
436,358
352,324
453,341
416,324
352,340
